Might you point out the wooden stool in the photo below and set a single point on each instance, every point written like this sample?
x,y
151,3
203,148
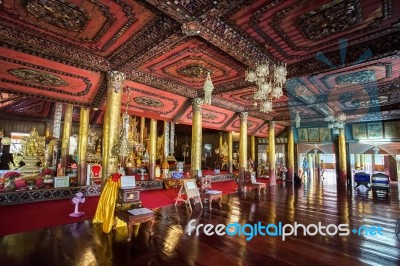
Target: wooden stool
x,y
212,196
135,216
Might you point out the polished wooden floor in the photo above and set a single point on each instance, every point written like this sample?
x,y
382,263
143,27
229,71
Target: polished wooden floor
x,y
315,201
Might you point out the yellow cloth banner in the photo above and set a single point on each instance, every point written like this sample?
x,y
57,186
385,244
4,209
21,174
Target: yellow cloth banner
x,y
106,206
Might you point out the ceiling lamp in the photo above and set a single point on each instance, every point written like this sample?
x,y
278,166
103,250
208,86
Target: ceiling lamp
x,y
336,122
269,79
208,89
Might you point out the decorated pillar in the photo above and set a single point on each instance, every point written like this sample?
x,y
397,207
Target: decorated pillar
x,y
242,149
271,157
115,82
57,120
362,161
166,139
141,133
66,134
82,144
290,155
172,139
152,148
230,153
197,136
342,159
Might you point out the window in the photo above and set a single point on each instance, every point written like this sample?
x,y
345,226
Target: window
x,y
16,138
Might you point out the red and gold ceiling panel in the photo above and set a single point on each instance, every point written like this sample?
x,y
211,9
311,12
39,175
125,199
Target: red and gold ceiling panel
x,y
38,77
252,124
149,102
189,61
293,30
212,117
263,132
99,25
242,97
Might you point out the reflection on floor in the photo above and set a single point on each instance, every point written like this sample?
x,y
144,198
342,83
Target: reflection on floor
x,y
315,201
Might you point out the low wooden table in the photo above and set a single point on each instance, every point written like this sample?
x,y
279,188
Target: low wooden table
x,y
258,186
132,219
210,197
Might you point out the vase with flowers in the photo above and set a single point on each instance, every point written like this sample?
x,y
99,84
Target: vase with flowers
x,y
9,178
47,176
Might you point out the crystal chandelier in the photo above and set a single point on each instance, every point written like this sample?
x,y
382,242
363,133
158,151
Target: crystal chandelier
x,y
124,147
269,79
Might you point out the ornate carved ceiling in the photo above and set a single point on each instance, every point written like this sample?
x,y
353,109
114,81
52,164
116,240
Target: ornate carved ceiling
x,y
342,56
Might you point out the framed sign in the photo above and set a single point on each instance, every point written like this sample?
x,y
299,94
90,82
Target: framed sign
x,y
191,190
313,134
324,134
375,130
359,131
303,134
392,130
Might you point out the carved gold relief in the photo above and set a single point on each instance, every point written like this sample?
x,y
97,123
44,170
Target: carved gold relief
x,y
38,77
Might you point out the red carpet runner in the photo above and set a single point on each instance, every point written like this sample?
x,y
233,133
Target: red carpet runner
x,y
32,216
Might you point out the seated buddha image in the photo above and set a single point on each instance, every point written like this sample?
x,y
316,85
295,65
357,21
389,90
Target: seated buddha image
x,y
131,161
31,148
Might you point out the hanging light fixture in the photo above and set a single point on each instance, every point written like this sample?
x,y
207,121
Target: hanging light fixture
x,y
269,83
208,89
297,119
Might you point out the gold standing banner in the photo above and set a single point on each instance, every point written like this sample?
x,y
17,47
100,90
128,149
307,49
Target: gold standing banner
x,y
115,81
66,135
106,206
291,169
342,159
152,148
242,149
230,153
271,154
196,136
82,145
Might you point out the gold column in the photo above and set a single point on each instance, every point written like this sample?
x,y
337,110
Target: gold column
x,y
290,155
82,144
196,136
115,81
49,130
242,149
220,140
152,148
271,157
362,161
141,134
253,148
66,134
342,159
357,164
230,152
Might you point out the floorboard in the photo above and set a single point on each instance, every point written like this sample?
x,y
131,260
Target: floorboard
x,y
84,243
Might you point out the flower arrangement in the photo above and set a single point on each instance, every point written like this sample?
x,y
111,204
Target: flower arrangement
x,y
12,175
47,171
115,177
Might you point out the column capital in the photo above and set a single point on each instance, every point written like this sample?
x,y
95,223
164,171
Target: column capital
x,y
197,103
243,116
272,123
115,80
